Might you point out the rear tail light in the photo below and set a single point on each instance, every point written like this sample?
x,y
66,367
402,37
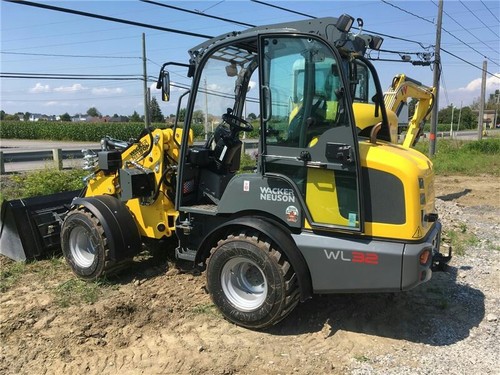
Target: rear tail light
x,y
425,256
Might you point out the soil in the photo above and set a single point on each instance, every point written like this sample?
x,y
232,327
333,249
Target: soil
x,y
157,318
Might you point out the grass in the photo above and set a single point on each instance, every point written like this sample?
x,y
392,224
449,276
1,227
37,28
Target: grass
x,y
461,239
10,274
361,358
205,309
469,158
76,291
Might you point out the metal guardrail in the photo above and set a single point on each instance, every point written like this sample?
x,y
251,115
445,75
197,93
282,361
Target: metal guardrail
x,y
57,155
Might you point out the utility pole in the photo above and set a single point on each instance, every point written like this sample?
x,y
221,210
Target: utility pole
x,y
459,115
481,103
437,76
145,79
451,125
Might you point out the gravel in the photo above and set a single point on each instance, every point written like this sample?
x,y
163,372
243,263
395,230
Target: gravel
x,y
465,336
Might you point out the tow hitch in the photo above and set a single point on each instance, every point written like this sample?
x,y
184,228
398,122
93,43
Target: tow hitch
x,y
439,260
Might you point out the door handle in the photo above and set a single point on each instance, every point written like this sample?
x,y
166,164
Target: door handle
x,y
316,164
339,153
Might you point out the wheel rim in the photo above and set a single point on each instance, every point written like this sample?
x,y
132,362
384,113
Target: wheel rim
x,y
82,249
244,284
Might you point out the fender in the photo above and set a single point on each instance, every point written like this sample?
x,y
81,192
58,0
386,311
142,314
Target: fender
x,y
119,226
277,233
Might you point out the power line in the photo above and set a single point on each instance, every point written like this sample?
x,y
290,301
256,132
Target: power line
x,y
472,48
468,31
355,28
479,19
196,13
106,18
75,99
212,6
489,10
403,10
68,78
408,12
285,9
60,55
467,62
88,77
76,75
449,33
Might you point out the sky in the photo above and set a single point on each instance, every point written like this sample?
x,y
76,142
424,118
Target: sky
x,y
46,42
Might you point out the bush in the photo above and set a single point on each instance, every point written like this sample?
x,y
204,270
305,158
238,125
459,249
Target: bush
x,y
485,146
43,182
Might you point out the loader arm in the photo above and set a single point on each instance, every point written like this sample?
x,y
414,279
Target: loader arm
x,y
403,88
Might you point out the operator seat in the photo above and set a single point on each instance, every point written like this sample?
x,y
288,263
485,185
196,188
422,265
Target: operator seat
x,y
227,152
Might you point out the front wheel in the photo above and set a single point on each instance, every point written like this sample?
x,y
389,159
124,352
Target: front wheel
x,y
251,281
84,244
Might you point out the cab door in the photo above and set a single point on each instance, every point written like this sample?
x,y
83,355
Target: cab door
x,y
308,132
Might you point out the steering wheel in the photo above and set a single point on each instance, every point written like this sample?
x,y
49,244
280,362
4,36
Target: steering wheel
x,y
236,123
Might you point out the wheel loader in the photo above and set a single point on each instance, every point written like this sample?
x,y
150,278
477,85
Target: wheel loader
x,y
332,204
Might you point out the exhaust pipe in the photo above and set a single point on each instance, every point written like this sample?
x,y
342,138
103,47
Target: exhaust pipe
x,y
30,227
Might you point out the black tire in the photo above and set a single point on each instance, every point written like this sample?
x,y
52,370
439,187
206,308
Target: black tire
x,y
251,281
84,245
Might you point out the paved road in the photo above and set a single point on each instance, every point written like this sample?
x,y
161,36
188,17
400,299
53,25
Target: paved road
x,y
19,146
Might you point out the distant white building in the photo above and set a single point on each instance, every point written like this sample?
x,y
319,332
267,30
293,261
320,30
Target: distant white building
x,y
79,118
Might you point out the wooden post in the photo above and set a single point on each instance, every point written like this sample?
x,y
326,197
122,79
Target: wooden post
x,y
58,158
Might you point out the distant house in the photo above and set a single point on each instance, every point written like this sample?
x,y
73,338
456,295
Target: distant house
x,y
35,117
490,118
79,117
118,119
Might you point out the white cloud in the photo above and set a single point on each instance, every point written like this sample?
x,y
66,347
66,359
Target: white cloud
x,y
107,91
214,87
39,88
154,89
51,104
492,82
73,88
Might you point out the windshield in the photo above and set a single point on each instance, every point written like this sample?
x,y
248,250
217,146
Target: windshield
x,y
224,83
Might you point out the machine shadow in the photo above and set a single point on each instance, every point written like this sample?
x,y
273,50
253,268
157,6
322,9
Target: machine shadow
x,y
438,313
453,196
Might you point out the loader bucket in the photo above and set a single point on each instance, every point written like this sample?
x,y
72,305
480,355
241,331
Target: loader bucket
x,y
30,227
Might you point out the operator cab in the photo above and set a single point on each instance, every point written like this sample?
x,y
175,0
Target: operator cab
x,y
302,85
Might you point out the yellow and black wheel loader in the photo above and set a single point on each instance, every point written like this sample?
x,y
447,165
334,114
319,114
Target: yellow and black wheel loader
x,y
333,204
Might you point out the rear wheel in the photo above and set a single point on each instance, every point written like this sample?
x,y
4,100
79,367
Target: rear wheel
x,y
84,244
251,281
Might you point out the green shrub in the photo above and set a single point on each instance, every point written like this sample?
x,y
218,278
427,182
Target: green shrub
x,y
485,146
42,182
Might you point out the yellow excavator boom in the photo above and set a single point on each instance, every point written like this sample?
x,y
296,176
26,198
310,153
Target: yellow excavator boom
x,y
401,89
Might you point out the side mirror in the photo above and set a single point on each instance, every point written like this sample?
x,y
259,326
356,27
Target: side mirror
x,y
164,81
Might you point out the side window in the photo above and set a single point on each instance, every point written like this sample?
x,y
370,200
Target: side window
x,y
363,83
304,86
